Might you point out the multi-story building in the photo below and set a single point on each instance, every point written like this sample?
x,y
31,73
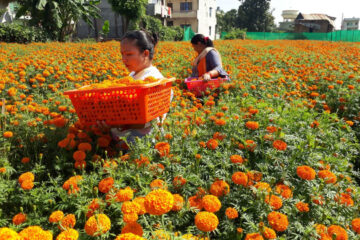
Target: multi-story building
x,y
200,15
350,24
158,8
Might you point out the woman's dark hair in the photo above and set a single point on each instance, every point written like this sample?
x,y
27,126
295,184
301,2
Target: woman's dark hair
x,y
143,40
204,40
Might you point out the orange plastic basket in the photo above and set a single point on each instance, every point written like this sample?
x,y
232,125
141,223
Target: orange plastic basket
x,y
122,105
198,86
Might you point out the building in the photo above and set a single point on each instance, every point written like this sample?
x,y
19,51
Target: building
x,y
157,8
350,24
288,24
200,15
314,23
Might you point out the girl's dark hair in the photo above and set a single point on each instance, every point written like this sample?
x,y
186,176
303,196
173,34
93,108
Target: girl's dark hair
x,y
204,40
143,40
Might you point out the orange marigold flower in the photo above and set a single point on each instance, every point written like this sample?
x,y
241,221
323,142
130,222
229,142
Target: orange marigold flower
x,y
219,188
302,207
271,129
8,134
231,213
130,207
106,184
159,202
97,225
85,147
278,221
274,201
306,172
269,233
240,178
219,136
19,218
211,203
339,232
280,145
236,159
328,176
254,236
69,234
124,194
71,184
355,224
252,125
129,236
103,142
133,228
179,181
212,144
25,160
28,176
158,183
196,202
206,221
220,122
178,202
345,199
27,185
163,148
56,216
35,233
2,170
9,234
67,222
284,191
130,217
79,155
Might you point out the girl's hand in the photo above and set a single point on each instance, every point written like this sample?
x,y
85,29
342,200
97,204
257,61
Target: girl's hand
x,y
102,125
206,77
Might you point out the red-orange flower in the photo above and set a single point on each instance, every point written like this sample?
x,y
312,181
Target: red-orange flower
x,y
302,207
163,148
212,144
252,125
219,188
328,176
106,184
306,172
279,145
339,232
278,221
19,218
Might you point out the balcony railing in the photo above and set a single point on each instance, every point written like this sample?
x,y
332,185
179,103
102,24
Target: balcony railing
x,y
158,9
184,14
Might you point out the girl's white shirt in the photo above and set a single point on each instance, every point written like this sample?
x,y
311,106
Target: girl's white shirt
x,y
147,72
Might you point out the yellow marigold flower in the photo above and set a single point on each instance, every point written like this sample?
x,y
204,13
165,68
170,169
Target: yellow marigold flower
x,y
9,234
97,225
35,233
161,235
206,221
231,213
269,233
278,221
158,202
124,194
134,228
211,203
130,207
69,234
19,218
141,202
253,236
263,186
56,216
129,236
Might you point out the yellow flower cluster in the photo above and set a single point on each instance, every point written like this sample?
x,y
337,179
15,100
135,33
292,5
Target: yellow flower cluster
x,y
122,82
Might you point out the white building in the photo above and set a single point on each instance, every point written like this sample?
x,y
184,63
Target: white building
x,y
199,14
288,24
350,24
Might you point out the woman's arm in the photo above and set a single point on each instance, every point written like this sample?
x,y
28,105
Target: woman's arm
x,y
213,65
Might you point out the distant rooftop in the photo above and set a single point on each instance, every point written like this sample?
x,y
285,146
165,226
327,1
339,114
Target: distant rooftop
x,y
317,16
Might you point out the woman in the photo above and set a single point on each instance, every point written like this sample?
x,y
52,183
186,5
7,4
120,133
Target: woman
x,y
208,62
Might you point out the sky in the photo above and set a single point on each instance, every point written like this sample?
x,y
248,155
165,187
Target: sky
x,y
334,8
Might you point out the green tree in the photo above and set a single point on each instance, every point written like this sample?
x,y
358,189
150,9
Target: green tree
x,y
226,21
255,16
58,17
129,10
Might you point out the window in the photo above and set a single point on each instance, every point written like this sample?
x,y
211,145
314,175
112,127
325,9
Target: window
x,y
170,23
210,11
185,25
210,31
186,6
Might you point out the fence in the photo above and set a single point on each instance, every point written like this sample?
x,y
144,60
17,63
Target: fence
x,y
346,36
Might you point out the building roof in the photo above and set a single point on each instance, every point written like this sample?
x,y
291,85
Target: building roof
x,y
316,16
351,19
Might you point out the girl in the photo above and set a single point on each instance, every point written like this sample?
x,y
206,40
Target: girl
x,y
208,62
137,50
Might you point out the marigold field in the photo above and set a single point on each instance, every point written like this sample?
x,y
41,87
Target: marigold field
x,y
274,154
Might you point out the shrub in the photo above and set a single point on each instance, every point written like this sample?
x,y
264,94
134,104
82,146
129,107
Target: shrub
x,y
19,33
236,34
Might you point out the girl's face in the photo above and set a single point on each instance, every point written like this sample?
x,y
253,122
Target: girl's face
x,y
133,59
198,47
